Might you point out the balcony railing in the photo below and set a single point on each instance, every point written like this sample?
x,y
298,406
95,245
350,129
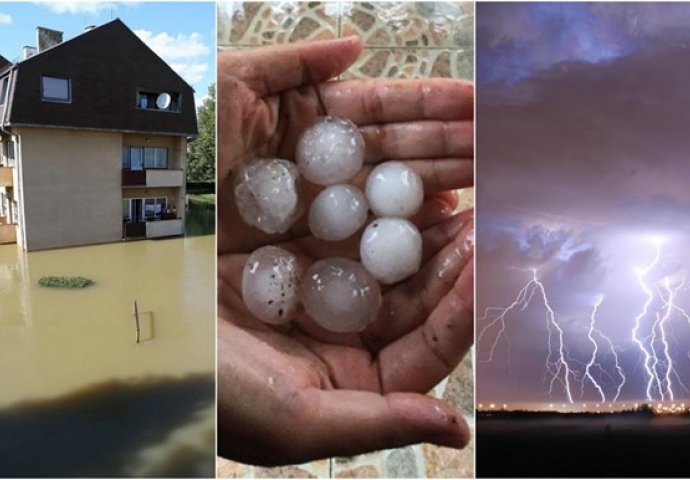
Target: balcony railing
x,y
134,230
164,228
6,176
133,177
8,233
169,227
153,178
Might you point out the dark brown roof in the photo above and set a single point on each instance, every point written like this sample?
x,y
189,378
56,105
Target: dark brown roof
x,y
106,66
3,62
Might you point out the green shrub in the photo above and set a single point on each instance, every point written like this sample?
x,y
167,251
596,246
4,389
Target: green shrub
x,y
65,282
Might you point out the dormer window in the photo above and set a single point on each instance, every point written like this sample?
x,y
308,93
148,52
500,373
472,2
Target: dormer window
x,y
4,83
158,101
55,89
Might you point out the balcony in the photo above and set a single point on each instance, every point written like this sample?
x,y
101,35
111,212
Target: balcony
x,y
153,178
153,229
164,228
134,230
6,176
8,233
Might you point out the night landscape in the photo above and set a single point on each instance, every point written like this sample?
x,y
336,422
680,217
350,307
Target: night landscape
x,y
583,328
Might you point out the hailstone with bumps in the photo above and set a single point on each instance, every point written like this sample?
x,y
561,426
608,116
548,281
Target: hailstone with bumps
x,y
339,294
269,284
330,151
266,194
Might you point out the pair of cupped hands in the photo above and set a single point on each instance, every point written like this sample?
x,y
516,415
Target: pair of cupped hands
x,y
296,393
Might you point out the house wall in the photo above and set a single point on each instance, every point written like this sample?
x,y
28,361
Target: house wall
x,y
71,184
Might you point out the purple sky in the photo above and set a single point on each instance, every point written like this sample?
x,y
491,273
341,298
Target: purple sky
x,y
583,147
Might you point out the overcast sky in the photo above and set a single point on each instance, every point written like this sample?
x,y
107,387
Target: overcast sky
x,y
182,33
583,168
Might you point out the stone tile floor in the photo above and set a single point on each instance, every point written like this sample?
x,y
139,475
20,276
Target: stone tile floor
x,y
401,40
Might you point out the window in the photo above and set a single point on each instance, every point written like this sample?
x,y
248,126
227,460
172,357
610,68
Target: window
x,y
138,158
54,89
154,208
8,153
144,209
148,100
3,90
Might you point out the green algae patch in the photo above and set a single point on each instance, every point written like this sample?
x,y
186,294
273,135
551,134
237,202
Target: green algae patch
x,y
65,282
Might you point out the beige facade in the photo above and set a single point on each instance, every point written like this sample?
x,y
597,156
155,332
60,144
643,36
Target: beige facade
x,y
71,188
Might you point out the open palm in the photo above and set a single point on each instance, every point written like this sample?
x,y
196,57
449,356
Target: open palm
x,y
295,393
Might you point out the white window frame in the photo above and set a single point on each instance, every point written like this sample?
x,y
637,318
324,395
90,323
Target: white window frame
x,y
156,200
56,99
154,153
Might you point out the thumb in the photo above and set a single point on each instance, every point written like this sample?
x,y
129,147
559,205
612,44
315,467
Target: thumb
x,y
345,423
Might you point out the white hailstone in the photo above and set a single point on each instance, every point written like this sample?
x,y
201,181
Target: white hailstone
x,y
330,151
340,295
269,284
394,190
266,194
337,212
391,249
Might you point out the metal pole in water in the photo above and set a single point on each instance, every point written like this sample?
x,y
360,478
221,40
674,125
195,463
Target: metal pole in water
x,y
136,320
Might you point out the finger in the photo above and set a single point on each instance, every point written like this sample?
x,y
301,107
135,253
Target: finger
x,y
408,305
350,422
270,70
437,175
424,139
422,358
371,102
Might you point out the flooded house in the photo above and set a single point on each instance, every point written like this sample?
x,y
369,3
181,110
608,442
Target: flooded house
x,y
94,135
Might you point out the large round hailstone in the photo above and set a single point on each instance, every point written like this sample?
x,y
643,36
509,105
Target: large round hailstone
x,y
269,284
394,190
337,212
391,249
340,295
330,151
266,194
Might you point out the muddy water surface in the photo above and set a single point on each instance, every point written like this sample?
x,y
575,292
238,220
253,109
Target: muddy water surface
x,y
77,391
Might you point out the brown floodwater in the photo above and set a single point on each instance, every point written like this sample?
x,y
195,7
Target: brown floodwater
x,y
78,395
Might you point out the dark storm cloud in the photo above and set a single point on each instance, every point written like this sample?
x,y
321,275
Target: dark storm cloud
x,y
592,141
515,40
583,147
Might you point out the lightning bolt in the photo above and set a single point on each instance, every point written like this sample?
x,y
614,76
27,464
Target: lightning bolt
x,y
664,339
641,278
595,350
559,369
669,306
651,336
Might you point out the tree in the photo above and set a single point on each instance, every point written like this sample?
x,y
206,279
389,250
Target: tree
x,y
202,150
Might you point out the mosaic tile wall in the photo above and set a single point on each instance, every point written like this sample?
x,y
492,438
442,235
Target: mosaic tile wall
x,y
401,40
